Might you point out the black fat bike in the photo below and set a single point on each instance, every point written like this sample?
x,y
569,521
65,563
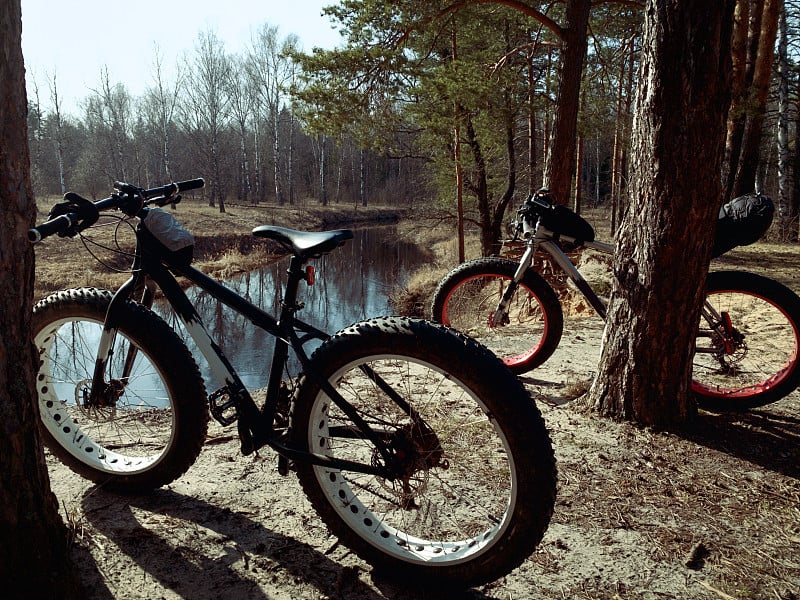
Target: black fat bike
x,y
748,336
416,446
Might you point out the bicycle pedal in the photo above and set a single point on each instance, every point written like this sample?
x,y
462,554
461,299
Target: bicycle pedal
x,y
224,407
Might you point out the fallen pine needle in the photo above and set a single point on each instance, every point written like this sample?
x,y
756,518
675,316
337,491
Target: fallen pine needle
x,y
719,593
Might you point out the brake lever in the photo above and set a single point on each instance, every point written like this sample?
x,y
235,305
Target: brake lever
x,y
73,203
164,200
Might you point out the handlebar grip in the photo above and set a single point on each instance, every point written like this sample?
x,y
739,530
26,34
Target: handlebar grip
x,y
191,184
173,188
60,223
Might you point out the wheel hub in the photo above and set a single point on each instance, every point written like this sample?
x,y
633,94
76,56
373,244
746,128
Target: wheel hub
x,y
104,408
415,450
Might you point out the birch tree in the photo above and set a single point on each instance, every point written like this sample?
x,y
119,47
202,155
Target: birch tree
x,y
242,95
164,97
205,110
114,110
272,72
58,122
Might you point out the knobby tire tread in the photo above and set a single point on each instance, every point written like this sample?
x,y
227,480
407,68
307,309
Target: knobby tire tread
x,y
182,377
505,398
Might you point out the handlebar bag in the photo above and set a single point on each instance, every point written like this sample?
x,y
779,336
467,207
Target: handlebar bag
x,y
563,221
171,237
742,221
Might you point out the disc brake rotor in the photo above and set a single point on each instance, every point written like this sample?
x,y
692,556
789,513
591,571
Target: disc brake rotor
x,y
106,409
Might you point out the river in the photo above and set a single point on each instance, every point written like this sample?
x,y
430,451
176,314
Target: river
x,y
354,282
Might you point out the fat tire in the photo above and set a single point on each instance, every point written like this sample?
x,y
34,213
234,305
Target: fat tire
x,y
788,303
537,287
159,344
504,399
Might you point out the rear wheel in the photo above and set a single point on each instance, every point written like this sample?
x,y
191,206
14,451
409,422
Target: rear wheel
x,y
529,333
747,350
148,426
475,478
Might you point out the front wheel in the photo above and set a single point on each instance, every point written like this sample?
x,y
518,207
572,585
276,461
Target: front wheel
x,y
529,331
474,474
749,337
149,424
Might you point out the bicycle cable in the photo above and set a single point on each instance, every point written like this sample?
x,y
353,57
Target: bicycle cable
x,y
86,241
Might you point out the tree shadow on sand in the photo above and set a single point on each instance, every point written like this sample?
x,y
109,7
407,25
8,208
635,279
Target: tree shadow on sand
x,y
766,437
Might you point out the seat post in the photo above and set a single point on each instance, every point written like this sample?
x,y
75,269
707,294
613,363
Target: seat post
x,y
281,351
296,274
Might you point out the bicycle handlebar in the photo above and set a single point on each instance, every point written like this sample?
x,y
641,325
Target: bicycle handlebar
x,y
60,223
77,213
165,190
534,206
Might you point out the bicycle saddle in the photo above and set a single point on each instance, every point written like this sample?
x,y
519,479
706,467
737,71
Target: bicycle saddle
x,y
305,244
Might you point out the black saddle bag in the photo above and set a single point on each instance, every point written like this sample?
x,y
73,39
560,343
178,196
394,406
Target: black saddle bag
x,y
742,221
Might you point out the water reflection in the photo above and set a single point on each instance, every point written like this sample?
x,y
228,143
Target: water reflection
x,y
352,283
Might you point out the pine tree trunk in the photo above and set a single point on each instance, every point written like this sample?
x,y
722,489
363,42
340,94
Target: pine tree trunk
x,y
561,158
276,153
579,177
681,103
736,115
362,177
531,114
290,167
787,210
323,173
745,181
796,167
33,552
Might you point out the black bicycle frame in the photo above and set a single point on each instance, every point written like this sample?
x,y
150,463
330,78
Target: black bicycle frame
x,y
155,263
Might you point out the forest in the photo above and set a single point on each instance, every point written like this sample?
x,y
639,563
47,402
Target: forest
x,y
424,105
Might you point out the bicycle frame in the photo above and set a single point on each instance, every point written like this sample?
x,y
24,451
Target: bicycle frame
x,y
153,263
546,240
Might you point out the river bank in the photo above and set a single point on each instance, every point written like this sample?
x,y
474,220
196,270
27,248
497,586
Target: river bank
x,y
224,244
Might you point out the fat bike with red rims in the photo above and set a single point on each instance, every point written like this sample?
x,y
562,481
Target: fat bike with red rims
x,y
748,338
528,329
414,443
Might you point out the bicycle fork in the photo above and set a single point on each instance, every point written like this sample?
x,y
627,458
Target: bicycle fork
x,y
500,315
104,393
725,338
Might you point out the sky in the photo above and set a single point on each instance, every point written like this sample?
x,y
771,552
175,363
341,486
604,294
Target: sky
x,y
76,39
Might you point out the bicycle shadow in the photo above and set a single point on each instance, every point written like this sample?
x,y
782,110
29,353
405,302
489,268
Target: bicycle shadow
x,y
764,437
188,573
